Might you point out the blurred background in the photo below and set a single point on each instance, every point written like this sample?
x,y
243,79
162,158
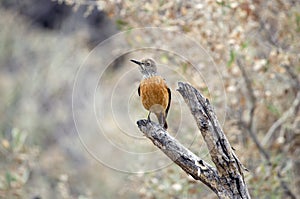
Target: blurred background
x,y
69,102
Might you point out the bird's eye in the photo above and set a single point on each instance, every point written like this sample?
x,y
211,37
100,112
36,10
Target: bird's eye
x,y
147,63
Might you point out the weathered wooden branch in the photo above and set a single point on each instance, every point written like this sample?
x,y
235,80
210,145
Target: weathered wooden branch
x,y
227,179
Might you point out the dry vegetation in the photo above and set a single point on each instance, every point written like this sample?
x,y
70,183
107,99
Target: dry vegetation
x,y
255,45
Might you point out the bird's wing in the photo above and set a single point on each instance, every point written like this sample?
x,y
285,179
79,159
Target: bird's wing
x,y
139,90
169,102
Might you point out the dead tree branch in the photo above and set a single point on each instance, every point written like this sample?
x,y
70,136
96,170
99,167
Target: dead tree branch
x,y
285,116
227,179
250,128
188,161
290,112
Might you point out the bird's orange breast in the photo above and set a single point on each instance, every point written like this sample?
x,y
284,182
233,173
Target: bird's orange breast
x,y
154,91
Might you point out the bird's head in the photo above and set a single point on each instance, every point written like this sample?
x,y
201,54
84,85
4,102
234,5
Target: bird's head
x,y
147,67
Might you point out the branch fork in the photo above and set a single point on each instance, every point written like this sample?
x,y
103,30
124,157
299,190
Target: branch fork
x,y
226,179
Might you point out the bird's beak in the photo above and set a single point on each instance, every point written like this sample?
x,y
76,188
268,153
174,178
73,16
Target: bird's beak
x,y
136,62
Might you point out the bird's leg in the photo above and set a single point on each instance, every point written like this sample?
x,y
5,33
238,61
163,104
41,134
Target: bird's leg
x,y
148,118
161,119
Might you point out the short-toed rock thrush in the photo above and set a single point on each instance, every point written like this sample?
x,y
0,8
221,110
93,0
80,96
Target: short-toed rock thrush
x,y
154,92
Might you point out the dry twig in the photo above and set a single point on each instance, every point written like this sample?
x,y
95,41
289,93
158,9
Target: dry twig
x,y
250,127
290,112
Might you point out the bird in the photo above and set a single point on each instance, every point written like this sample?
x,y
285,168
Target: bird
x,y
153,90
